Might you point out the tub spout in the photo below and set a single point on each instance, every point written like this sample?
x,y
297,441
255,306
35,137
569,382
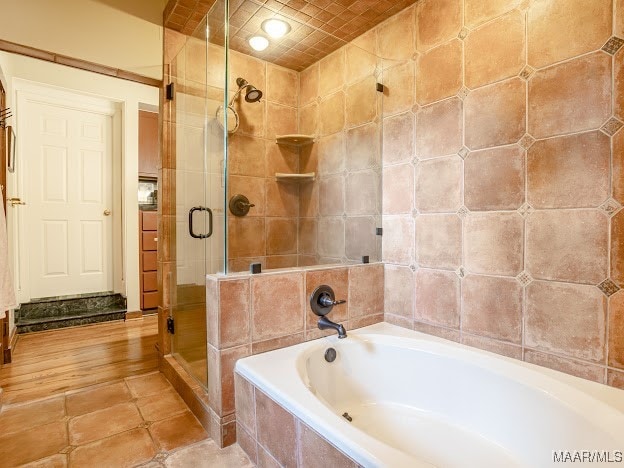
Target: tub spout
x,y
325,324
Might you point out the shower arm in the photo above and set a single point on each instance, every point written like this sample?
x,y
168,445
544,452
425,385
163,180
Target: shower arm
x,y
237,94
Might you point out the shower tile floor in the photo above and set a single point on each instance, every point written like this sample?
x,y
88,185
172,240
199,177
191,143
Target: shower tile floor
x,y
137,421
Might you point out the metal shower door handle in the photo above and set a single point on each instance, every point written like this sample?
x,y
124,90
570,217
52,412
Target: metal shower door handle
x,y
191,231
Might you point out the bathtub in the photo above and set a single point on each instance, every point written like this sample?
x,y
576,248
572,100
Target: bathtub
x,y
418,401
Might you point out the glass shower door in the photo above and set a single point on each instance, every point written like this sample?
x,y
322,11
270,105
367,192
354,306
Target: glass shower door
x,y
198,201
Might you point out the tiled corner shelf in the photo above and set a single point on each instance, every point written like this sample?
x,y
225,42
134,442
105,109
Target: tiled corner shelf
x,y
281,177
294,140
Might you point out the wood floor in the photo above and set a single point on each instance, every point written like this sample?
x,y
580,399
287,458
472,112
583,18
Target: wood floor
x,y
48,363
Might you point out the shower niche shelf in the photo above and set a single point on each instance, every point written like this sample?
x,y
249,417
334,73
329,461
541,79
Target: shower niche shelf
x,y
294,140
307,177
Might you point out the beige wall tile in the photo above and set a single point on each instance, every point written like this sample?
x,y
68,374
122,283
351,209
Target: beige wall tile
x,y
566,319
332,114
619,83
618,166
567,245
616,330
617,248
249,68
332,73
308,230
556,103
243,237
277,343
438,185
276,430
398,192
494,243
282,199
395,40
361,104
280,120
331,154
398,138
488,344
281,261
362,190
282,85
234,321
439,241
437,297
271,319
615,379
246,156
252,117
569,366
439,129
437,22
439,72
504,40
332,195
399,291
494,179
495,115
281,234
309,119
398,239
308,200
366,290
331,238
315,451
569,172
441,332
479,11
492,307
280,158
359,62
561,29
398,83
309,85
360,231
362,147
618,8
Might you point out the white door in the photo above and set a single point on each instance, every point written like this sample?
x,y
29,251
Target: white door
x,y
68,190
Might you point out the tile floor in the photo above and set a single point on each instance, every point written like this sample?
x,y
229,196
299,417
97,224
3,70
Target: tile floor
x,y
138,421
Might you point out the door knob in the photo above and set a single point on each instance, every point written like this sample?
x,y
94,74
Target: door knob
x,y
107,212
15,201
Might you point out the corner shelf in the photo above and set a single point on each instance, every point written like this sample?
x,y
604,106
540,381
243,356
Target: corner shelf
x,y
294,140
307,177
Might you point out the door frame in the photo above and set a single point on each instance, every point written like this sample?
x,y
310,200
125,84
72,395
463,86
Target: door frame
x,y
29,91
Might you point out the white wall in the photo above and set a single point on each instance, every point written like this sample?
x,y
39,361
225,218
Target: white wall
x,y
97,31
130,96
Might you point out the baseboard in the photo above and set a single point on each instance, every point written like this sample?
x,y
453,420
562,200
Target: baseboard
x,y
8,352
137,314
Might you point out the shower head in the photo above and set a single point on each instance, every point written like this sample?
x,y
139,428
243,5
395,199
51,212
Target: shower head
x,y
253,94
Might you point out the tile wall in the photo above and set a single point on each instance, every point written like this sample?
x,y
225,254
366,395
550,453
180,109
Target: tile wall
x,y
503,224
251,314
271,436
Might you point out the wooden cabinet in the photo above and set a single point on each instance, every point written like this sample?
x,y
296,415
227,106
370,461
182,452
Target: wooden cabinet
x,y
148,242
148,144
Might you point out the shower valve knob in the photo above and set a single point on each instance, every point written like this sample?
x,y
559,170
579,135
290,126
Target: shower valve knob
x,y
240,205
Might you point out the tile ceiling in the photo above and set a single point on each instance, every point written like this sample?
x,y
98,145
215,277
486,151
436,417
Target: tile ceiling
x,y
318,26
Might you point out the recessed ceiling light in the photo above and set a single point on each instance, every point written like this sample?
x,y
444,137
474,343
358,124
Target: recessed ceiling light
x,y
258,43
276,28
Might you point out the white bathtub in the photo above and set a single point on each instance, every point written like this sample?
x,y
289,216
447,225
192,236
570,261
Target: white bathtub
x,y
416,400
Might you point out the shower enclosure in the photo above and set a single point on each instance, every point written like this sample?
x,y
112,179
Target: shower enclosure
x,y
274,158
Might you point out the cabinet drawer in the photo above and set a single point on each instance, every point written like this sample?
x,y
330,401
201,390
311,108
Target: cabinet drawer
x,y
149,261
149,300
149,240
150,282
150,221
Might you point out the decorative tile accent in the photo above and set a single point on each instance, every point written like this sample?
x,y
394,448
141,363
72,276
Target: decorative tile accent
x,y
463,33
413,267
463,212
608,287
415,212
524,278
527,72
613,45
463,152
460,272
526,141
463,93
612,126
525,210
610,207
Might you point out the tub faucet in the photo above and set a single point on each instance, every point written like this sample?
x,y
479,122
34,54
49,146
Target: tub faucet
x,y
322,301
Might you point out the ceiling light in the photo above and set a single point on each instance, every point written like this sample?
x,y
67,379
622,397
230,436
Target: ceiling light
x,y
276,28
258,43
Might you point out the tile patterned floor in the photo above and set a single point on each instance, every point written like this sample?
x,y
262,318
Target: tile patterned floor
x,y
138,421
